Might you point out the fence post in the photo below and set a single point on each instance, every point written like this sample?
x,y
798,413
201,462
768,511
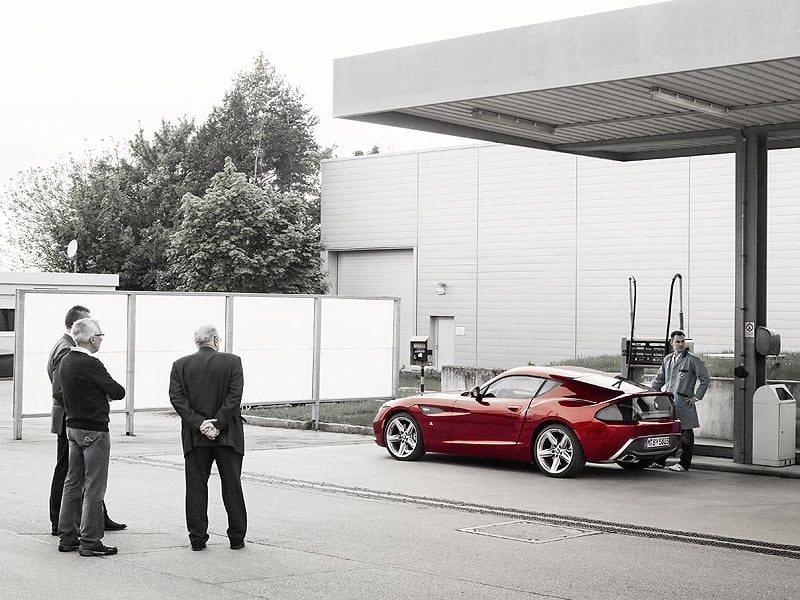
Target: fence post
x,y
315,365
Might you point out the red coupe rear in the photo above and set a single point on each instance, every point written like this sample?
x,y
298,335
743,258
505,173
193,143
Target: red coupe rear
x,y
559,417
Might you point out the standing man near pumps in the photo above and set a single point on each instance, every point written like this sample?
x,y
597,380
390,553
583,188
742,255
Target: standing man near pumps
x,y
58,426
680,373
87,389
206,390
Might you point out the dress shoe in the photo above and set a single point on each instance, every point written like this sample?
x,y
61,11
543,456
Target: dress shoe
x,y
54,530
114,526
237,545
68,547
98,549
199,546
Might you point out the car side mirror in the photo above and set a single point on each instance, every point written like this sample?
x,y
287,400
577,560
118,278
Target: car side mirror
x,y
476,393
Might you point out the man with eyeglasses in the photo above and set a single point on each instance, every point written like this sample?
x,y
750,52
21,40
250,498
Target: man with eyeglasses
x,y
87,388
58,422
679,373
205,388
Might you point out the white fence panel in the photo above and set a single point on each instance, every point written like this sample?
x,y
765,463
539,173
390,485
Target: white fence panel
x,y
275,338
356,348
44,323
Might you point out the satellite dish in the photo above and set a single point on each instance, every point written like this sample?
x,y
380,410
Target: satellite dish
x,y
72,248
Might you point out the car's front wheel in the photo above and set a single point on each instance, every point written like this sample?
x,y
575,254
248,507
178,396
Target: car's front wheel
x,y
558,452
403,437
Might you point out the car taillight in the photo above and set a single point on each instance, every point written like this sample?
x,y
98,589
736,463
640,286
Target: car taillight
x,y
637,408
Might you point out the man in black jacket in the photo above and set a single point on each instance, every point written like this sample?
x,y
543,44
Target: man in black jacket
x,y
206,390
58,423
87,389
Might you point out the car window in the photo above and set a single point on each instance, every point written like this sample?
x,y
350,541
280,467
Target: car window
x,y
612,382
514,386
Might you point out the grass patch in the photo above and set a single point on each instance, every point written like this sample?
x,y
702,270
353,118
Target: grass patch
x,y
354,412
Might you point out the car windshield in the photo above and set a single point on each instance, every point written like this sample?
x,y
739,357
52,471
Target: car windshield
x,y
612,382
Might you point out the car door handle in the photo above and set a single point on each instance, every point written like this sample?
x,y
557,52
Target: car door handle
x,y
514,408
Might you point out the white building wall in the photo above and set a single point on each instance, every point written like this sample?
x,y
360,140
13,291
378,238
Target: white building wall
x,y
536,248
370,202
526,261
447,250
783,246
709,282
632,220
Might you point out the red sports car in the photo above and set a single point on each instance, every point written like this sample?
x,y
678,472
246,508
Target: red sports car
x,y
559,417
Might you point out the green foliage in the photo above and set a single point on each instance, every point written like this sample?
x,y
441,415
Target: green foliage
x,y
265,128
130,211
242,238
37,203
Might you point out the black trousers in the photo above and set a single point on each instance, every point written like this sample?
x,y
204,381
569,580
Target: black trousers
x,y
59,476
687,449
198,470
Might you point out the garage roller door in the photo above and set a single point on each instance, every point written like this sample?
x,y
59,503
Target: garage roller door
x,y
381,273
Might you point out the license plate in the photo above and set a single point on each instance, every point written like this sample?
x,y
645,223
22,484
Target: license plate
x,y
657,442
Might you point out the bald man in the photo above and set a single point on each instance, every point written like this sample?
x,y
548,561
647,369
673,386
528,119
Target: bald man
x,y
205,388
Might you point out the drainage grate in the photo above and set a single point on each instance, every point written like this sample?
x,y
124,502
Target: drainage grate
x,y
532,532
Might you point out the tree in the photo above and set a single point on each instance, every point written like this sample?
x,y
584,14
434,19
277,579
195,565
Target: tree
x,y
374,150
240,237
123,207
43,224
266,129
155,181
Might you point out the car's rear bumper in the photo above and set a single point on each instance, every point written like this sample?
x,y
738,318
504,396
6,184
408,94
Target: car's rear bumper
x,y
635,449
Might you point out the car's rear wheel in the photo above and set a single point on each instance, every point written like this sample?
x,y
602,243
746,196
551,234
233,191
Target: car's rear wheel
x,y
635,466
558,452
403,437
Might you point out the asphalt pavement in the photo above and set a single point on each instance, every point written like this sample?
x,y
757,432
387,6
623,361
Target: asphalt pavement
x,y
332,516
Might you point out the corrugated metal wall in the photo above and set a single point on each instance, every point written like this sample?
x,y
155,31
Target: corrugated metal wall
x,y
536,248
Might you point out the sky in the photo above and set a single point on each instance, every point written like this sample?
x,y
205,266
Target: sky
x,y
80,75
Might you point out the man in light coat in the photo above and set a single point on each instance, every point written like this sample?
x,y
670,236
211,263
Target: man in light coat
x,y
685,375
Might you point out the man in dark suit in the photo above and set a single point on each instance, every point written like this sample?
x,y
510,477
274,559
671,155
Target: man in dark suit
x,y
206,390
61,348
86,388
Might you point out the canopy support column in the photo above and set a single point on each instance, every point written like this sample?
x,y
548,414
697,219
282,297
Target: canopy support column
x,y
751,284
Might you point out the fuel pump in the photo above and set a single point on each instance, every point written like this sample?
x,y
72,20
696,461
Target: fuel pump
x,y
640,353
421,351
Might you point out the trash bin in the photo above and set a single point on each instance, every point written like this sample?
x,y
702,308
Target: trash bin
x,y
774,414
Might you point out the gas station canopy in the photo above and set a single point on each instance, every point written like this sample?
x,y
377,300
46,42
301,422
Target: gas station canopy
x,y
677,78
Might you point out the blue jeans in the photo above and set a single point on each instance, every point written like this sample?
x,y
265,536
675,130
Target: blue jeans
x,y
81,512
